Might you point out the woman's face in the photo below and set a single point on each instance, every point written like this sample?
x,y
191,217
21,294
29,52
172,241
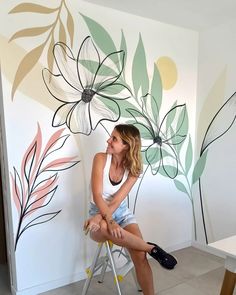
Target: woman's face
x,y
115,143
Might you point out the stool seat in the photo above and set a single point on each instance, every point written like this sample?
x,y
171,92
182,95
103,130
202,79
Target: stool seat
x,y
107,261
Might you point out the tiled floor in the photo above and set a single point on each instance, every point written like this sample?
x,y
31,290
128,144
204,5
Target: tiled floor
x,y
197,273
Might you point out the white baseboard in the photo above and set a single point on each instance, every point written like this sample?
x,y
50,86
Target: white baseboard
x,y
179,246
50,285
206,248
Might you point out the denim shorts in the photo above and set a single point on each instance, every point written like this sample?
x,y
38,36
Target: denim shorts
x,y
122,216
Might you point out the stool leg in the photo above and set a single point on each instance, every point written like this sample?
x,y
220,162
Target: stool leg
x,y
113,268
91,269
228,283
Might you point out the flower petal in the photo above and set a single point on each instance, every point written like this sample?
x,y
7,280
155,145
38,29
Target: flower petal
x,y
88,61
60,116
80,119
59,88
153,157
67,64
169,160
173,120
100,111
112,61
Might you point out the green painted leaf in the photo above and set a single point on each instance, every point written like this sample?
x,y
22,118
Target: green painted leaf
x,y
101,37
170,116
183,128
139,70
156,91
92,66
179,185
124,105
199,167
123,46
188,156
171,170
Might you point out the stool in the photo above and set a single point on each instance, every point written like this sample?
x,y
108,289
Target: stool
x,y
108,261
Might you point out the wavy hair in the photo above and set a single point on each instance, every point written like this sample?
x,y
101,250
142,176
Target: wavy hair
x,y
130,135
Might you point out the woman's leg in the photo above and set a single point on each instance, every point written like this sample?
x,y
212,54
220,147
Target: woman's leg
x,y
129,240
142,267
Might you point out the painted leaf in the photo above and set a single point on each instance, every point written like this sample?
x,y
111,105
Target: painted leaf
x,y
170,116
139,70
101,37
30,32
70,27
31,7
39,201
123,46
45,184
50,57
156,91
41,219
188,156
182,126
60,164
222,121
26,66
199,167
179,185
29,162
92,66
17,190
62,37
52,141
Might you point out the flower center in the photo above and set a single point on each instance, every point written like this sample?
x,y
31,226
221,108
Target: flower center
x,y
87,95
158,140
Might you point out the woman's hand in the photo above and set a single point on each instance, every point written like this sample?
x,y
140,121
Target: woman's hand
x,y
114,229
93,223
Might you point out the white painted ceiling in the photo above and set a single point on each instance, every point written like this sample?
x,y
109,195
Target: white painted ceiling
x,y
192,14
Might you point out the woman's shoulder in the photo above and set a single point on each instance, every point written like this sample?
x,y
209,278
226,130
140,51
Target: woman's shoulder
x,y
100,158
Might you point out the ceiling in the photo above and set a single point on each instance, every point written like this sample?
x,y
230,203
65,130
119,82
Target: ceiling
x,y
192,14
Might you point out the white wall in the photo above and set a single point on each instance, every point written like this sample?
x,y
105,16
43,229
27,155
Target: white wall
x,y
216,84
56,253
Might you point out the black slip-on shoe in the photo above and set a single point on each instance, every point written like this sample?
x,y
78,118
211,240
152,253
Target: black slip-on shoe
x,y
165,259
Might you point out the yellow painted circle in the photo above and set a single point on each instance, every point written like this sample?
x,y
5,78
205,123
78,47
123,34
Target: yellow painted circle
x,y
168,72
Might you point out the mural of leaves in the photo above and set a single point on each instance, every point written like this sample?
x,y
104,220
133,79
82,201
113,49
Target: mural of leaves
x,y
221,123
35,185
32,57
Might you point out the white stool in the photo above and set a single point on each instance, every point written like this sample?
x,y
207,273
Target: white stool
x,y
108,261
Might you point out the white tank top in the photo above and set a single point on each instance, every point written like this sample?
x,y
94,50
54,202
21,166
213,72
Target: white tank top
x,y
109,189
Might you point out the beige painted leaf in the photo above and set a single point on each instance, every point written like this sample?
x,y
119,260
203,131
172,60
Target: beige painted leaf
x,y
30,32
31,7
50,57
62,35
70,27
25,66
211,105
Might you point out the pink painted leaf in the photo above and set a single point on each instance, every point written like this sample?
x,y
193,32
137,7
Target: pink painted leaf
x,y
17,190
40,201
60,164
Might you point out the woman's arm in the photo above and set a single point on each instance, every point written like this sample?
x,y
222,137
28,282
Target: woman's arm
x,y
122,193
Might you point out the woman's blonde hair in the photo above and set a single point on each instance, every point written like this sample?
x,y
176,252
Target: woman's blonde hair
x,y
130,135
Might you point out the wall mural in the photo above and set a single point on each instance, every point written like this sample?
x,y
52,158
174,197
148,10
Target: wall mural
x,y
92,88
34,186
215,130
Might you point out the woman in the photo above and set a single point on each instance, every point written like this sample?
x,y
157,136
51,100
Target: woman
x,y
113,175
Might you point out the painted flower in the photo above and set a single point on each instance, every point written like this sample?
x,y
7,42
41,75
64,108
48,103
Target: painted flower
x,y
159,138
87,86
